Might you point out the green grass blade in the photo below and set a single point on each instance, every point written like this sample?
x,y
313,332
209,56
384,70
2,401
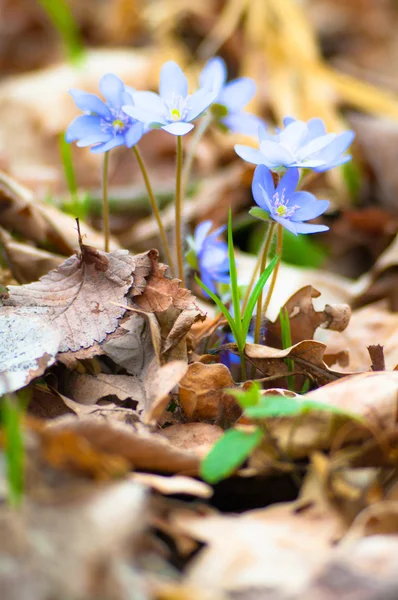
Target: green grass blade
x,y
234,285
13,448
59,13
262,280
228,453
220,305
66,156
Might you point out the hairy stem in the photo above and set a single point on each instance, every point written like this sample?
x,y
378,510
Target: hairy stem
x,y
178,209
155,209
279,246
242,364
263,262
105,205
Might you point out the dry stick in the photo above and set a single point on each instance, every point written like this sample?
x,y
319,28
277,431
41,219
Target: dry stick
x,y
279,245
178,211
155,209
376,353
263,262
105,205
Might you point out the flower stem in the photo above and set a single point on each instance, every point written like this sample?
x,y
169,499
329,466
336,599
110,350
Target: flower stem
x,y
193,146
242,364
105,209
263,262
279,246
155,209
178,210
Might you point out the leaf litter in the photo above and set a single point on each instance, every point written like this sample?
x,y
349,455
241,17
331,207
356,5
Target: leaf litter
x,y
128,395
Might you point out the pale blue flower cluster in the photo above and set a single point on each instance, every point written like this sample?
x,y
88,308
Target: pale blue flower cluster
x,y
211,254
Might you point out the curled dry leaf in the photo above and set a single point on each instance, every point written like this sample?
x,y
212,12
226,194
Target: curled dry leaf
x,y
28,346
89,389
26,262
203,393
144,450
40,222
307,356
77,296
304,319
176,484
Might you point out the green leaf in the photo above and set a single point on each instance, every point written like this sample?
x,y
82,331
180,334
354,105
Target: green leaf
x,y
240,339
228,453
219,111
259,213
255,294
249,397
192,259
59,13
284,321
220,305
278,406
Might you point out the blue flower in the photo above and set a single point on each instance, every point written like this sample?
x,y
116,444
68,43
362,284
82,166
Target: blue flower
x,y
211,255
299,144
232,96
284,205
173,109
104,125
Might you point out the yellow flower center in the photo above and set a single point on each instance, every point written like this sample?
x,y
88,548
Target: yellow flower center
x,y
118,124
175,114
281,210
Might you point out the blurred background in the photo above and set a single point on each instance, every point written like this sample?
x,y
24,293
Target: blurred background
x,y
310,58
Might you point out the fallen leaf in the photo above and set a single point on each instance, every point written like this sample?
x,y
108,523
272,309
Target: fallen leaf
x,y
176,484
76,297
89,389
203,393
29,345
197,437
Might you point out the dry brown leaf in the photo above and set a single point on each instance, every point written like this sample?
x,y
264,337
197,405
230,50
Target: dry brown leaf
x,y
307,356
162,293
25,262
176,484
89,389
28,346
77,296
197,437
143,450
203,393
159,384
304,319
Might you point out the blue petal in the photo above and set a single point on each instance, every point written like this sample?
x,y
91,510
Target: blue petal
x,y
90,103
214,75
288,120
336,163
289,182
338,146
212,237
310,207
117,140
207,280
291,137
263,135
198,103
263,188
144,115
310,228
82,127
150,101
172,81
286,223
314,147
127,98
200,234
134,134
215,258
316,128
112,89
275,155
237,94
242,123
249,154
178,128
94,139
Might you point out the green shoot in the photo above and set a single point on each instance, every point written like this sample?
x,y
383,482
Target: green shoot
x,y
11,416
236,445
67,161
59,13
239,324
286,343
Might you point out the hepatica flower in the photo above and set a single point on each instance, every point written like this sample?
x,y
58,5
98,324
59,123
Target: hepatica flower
x,y
173,109
231,97
105,125
299,144
211,255
284,205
